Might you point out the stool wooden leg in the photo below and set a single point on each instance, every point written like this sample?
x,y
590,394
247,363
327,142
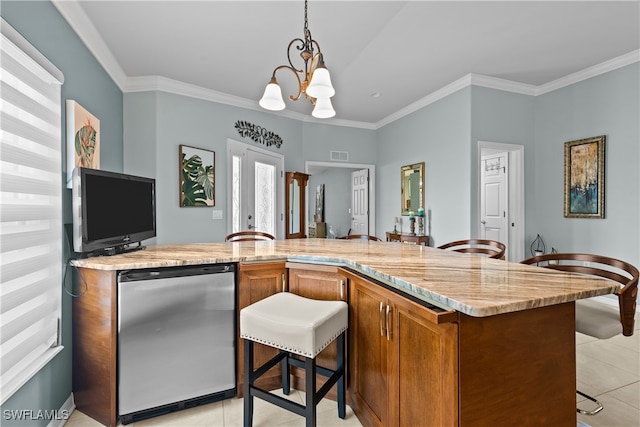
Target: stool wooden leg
x,y
340,363
248,383
310,387
286,377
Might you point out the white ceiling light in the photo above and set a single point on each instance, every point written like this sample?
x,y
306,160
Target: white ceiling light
x,y
314,80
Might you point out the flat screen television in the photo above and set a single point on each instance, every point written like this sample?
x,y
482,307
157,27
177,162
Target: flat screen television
x,y
111,211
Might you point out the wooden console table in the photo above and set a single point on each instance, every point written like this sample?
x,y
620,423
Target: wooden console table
x,y
407,238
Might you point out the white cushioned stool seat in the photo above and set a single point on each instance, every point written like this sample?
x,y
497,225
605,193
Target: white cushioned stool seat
x,y
597,319
293,323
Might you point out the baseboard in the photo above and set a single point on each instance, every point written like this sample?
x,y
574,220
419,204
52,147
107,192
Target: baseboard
x,y
64,413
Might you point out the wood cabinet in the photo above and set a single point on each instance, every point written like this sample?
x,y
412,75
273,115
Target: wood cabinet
x,y
296,204
402,359
407,238
323,282
256,282
95,338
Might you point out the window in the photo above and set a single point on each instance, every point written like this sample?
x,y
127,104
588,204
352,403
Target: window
x,y
256,191
30,211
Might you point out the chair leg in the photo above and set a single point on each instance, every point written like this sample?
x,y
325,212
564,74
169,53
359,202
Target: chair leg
x,y
310,387
286,377
341,381
248,383
595,411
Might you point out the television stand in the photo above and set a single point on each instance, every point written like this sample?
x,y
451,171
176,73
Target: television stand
x,y
123,249
115,250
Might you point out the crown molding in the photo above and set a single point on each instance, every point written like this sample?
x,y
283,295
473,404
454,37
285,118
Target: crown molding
x,y
514,87
587,73
81,24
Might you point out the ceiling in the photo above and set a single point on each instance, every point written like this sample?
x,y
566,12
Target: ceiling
x,y
402,50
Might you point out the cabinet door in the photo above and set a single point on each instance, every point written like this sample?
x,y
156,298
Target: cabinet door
x,y
423,365
321,282
256,282
368,378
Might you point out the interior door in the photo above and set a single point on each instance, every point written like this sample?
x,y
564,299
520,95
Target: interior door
x,y
256,191
493,197
360,202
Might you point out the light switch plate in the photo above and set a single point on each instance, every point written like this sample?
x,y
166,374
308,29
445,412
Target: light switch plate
x,y
216,214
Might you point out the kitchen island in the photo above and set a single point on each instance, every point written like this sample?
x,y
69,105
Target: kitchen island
x,y
444,338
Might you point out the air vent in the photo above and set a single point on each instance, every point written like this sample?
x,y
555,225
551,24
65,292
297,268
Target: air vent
x,y
340,156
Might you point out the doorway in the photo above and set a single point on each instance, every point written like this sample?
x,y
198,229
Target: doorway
x,y
501,195
255,199
315,167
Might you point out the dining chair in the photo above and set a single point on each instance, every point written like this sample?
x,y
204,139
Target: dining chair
x,y
594,318
242,236
492,248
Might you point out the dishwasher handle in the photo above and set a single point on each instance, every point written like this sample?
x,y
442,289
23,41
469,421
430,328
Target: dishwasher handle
x,y
169,272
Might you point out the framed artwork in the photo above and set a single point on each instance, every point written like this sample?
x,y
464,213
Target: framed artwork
x,y
584,184
197,176
83,139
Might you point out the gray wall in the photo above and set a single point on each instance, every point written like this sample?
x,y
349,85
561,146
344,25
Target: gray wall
x,y
504,117
88,84
156,123
605,105
439,136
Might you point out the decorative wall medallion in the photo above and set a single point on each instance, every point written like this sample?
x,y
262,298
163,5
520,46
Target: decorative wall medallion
x,y
258,134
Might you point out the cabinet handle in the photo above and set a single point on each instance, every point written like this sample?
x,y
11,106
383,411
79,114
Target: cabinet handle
x,y
342,289
283,284
380,318
388,322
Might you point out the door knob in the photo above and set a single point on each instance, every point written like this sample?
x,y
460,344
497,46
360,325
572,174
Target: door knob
x,y
483,222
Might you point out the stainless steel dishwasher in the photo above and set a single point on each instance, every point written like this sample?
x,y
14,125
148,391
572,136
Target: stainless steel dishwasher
x,y
176,338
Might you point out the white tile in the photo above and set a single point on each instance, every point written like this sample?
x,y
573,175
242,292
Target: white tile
x,y
607,352
614,414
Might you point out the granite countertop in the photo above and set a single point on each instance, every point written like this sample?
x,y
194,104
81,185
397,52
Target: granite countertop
x,y
471,284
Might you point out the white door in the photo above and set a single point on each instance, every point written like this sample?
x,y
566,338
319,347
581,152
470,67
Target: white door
x,y
360,202
493,197
256,193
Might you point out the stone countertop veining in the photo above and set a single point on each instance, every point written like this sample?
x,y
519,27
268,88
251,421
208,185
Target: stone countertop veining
x,y
471,284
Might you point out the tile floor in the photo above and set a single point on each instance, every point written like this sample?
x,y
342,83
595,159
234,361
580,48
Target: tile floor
x,y
607,369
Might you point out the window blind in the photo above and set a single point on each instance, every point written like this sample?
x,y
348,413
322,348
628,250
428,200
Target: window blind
x,y
30,211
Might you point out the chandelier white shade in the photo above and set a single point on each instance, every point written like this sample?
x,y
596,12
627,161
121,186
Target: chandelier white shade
x,y
323,109
272,98
314,80
320,85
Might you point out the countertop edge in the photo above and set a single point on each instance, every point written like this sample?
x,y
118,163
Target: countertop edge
x,y
391,281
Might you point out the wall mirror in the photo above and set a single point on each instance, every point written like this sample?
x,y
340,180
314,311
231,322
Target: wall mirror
x,y
295,204
412,188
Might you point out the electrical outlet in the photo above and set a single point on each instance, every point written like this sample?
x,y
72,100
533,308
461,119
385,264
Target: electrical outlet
x,y
216,214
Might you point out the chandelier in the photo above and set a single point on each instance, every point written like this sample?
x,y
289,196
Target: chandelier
x,y
314,81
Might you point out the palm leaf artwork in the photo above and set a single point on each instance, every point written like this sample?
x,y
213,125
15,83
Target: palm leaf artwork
x,y
197,182
85,144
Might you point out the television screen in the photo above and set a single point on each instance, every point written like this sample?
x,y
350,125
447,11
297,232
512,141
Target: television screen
x,y
112,210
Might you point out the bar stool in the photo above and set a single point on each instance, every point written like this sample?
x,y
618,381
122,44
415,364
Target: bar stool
x,y
295,325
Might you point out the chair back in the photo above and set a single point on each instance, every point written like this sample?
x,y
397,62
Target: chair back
x,y
491,248
242,236
361,237
601,266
